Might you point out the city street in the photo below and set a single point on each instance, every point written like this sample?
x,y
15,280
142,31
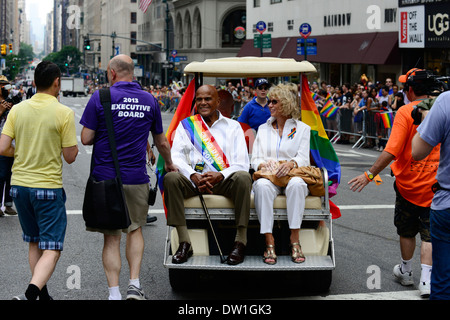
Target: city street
x,y
366,243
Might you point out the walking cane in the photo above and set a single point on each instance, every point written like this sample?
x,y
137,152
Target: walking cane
x,y
199,169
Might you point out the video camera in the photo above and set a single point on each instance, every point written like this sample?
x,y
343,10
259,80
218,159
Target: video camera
x,y
432,84
429,84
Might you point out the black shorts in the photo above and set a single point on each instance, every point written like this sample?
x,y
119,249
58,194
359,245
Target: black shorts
x,y
411,219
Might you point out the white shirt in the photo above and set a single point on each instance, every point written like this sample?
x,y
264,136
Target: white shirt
x,y
292,145
229,136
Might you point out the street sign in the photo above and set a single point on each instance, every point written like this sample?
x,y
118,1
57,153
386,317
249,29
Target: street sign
x,y
261,27
305,30
266,41
311,46
174,53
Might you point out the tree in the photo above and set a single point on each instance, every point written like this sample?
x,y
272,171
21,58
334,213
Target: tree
x,y
68,59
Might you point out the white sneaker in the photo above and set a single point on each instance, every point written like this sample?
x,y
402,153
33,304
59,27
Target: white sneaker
x,y
424,288
405,279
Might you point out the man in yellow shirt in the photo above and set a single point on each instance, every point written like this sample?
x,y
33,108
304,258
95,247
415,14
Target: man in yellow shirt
x,y
42,129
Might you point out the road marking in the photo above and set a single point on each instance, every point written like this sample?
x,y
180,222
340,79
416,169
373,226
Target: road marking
x,y
343,207
151,211
395,295
366,207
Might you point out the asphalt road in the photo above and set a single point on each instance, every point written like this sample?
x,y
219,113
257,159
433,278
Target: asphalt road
x,y
366,244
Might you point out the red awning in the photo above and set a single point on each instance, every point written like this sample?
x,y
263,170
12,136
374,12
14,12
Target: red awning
x,y
364,48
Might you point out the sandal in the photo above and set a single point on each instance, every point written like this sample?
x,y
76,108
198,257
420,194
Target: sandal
x,y
269,255
297,255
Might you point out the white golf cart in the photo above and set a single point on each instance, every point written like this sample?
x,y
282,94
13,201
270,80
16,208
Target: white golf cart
x,y
316,235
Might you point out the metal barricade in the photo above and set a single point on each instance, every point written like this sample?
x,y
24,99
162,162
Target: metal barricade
x,y
368,128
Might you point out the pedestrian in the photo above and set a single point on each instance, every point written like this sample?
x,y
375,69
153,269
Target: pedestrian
x,y
43,129
31,91
132,123
413,182
222,169
256,112
282,138
435,129
6,163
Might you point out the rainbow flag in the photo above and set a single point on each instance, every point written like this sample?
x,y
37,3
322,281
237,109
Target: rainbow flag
x,y
322,151
184,110
315,96
328,109
388,119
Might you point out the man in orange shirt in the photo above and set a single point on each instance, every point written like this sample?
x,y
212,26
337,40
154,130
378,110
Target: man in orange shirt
x,y
413,182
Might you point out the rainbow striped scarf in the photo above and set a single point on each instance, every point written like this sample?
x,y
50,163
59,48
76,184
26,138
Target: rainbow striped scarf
x,y
205,143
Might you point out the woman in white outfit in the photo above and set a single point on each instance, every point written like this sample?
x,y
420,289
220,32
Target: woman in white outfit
x,y
282,137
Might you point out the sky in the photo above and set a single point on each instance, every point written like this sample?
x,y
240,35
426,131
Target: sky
x,y
36,12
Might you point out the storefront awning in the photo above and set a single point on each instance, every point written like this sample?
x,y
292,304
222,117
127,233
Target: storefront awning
x,y
364,48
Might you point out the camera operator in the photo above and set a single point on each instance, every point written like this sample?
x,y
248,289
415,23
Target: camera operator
x,y
413,181
6,163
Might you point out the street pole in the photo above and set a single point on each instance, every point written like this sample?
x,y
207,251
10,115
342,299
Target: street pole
x,y
113,37
167,40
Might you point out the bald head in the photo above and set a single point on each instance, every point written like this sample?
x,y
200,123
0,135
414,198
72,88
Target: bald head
x,y
121,68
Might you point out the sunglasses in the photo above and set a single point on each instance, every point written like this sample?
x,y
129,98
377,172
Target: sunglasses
x,y
274,102
263,88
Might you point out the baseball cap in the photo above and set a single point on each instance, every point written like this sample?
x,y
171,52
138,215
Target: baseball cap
x,y
404,78
3,80
260,82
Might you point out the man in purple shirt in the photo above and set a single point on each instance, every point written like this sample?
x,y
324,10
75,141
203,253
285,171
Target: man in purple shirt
x,y
135,114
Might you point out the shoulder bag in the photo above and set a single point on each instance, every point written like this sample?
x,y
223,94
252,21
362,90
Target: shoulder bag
x,y
104,204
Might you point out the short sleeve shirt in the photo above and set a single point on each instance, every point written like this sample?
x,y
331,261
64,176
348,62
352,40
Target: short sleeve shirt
x,y
254,114
413,178
135,114
436,130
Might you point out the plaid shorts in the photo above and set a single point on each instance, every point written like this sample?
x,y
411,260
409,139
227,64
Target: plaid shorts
x,y
411,219
42,215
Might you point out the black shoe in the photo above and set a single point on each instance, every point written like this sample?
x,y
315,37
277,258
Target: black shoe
x,y
151,219
237,254
183,253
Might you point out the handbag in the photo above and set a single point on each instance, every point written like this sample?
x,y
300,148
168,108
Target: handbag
x,y
311,175
104,205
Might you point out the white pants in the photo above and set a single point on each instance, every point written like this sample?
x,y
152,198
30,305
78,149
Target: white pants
x,y
265,194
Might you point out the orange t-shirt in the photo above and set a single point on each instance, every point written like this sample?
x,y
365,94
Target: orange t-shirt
x,y
413,178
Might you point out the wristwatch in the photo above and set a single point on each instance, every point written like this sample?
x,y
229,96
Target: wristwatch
x,y
369,175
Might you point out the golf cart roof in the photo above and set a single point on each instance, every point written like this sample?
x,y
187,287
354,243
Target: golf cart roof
x,y
249,67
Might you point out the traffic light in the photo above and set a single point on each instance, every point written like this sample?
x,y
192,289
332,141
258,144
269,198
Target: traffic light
x,y
10,48
87,44
3,49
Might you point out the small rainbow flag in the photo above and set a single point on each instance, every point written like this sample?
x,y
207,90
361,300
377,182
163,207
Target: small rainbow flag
x,y
388,119
315,96
329,109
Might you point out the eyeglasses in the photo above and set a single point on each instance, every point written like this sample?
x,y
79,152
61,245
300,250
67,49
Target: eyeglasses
x,y
274,102
263,88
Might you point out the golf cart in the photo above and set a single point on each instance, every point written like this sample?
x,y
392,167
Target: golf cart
x,y
210,218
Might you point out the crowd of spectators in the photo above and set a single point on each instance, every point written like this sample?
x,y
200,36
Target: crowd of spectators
x,y
358,103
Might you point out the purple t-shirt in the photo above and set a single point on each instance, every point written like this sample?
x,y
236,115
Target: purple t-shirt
x,y
135,114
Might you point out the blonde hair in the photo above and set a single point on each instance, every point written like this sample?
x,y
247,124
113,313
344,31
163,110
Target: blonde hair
x,y
287,94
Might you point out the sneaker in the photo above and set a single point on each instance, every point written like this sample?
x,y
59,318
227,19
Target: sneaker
x,y
10,211
134,293
424,289
151,219
20,297
1,213
405,279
